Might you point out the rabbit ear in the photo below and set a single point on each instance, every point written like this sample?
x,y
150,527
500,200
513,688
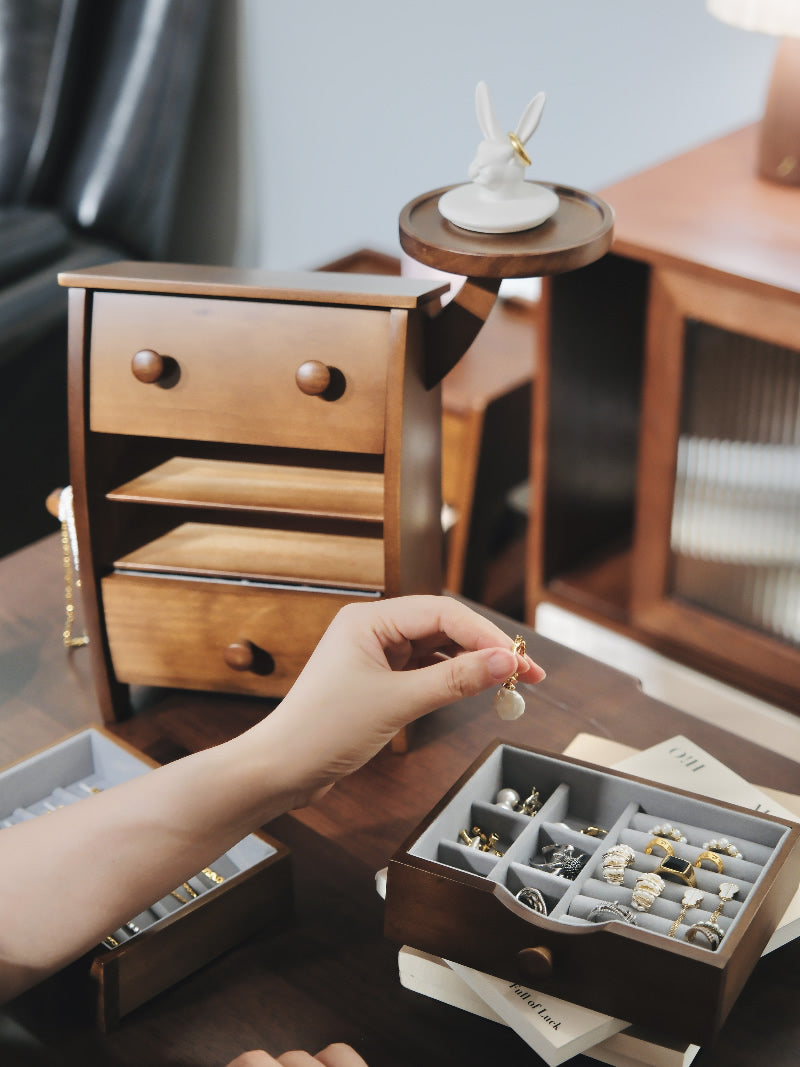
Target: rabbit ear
x,y
487,120
530,117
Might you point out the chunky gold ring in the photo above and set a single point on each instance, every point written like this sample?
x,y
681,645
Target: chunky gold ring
x,y
647,888
594,831
710,857
519,148
675,867
660,842
614,862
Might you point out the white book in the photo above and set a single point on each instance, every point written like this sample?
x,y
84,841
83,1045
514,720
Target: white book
x,y
555,1029
634,1047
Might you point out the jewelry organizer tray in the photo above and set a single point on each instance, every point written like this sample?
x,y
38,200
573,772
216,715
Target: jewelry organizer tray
x,y
452,888
230,899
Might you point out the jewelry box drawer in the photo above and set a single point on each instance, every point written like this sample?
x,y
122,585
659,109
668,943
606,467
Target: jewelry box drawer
x,y
229,637
240,371
476,883
236,895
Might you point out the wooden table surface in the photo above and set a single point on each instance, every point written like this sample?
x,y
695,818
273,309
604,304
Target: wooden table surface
x,y
329,974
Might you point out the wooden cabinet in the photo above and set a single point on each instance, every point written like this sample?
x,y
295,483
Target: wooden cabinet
x,y
242,445
666,451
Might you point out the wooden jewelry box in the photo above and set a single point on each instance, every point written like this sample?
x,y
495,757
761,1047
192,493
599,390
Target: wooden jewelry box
x,y
249,451
242,891
453,888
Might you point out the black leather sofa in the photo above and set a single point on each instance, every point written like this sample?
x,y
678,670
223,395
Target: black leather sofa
x,y
95,101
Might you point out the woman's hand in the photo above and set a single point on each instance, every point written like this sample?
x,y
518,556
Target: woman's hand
x,y
378,667
332,1056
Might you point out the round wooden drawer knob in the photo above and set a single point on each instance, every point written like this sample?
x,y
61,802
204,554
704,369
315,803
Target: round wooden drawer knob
x,y
148,366
312,377
536,962
240,655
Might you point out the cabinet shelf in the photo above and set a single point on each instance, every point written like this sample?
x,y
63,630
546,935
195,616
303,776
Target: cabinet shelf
x,y
258,487
213,550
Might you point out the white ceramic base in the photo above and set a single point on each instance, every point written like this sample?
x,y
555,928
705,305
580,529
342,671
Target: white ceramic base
x,y
468,207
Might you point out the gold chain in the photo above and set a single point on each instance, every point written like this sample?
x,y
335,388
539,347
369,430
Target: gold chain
x,y
70,583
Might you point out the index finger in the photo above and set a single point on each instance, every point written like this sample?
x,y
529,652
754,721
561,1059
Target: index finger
x,y
436,623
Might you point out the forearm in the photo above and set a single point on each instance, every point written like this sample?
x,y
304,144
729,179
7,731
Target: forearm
x,y
73,876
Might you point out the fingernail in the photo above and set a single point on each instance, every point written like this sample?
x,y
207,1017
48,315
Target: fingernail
x,y
502,664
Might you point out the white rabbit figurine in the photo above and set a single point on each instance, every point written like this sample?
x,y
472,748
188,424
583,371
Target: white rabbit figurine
x,y
500,200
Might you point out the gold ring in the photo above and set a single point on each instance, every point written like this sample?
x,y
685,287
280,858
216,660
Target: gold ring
x,y
660,842
666,829
710,857
594,831
722,844
519,148
212,875
178,896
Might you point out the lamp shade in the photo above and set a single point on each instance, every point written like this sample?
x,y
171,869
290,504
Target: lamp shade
x,y
779,138
778,17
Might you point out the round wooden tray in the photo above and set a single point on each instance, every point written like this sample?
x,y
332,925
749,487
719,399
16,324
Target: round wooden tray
x,y
579,233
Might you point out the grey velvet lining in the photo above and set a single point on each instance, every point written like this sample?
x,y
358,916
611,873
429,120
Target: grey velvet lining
x,y
575,798
69,771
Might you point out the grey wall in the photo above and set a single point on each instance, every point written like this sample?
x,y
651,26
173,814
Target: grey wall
x,y
320,119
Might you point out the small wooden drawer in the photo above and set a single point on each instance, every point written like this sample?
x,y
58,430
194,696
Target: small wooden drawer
x,y
241,892
240,371
231,637
212,550
652,965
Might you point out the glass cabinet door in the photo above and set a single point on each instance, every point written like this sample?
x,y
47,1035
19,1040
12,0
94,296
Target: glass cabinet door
x,y
735,529
716,560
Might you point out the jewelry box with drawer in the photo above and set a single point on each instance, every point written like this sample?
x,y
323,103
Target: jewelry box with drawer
x,y
249,452
558,893
235,897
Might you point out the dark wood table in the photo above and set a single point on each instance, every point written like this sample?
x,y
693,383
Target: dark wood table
x,y
329,974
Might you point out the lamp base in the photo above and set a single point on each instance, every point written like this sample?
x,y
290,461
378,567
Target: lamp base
x,y
779,147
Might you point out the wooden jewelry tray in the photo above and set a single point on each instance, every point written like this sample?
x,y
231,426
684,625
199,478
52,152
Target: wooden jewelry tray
x,y
460,903
231,899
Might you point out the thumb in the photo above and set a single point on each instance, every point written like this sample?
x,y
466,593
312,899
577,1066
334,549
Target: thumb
x,y
453,679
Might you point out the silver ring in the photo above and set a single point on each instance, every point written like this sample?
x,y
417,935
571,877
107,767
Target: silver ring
x,y
615,910
532,899
566,861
